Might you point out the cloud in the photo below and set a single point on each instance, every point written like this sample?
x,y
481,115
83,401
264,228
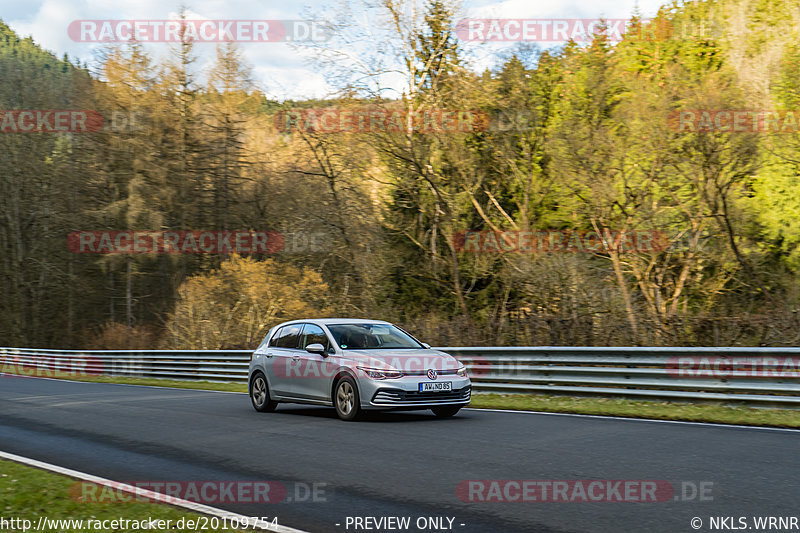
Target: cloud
x,y
284,71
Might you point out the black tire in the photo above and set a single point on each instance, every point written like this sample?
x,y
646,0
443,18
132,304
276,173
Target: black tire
x,y
446,411
346,400
259,394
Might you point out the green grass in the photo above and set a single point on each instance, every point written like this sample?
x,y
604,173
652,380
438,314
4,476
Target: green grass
x,y
29,493
155,382
693,412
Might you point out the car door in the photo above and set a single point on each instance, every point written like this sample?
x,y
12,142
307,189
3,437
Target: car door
x,y
315,371
283,358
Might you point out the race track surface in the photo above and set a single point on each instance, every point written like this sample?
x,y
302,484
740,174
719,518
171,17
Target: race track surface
x,y
406,464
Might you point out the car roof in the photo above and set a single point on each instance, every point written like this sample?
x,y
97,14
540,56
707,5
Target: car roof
x,y
331,321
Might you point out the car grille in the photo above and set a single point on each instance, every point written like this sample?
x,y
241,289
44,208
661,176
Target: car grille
x,y
447,372
394,396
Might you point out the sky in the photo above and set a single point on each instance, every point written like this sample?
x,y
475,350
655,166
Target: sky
x,y
280,69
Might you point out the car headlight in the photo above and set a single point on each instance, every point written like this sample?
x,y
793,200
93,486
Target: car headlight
x,y
462,371
381,373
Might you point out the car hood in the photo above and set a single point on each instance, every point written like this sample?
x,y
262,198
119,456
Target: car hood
x,y
404,360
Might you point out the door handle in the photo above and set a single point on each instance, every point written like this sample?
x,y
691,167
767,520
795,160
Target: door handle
x,y
268,354
295,357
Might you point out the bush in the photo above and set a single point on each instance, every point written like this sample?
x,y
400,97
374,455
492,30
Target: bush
x,y
118,336
234,306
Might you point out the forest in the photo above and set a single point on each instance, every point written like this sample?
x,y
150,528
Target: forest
x,y
642,191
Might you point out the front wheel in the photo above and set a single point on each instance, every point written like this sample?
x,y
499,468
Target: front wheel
x,y
446,410
259,394
346,400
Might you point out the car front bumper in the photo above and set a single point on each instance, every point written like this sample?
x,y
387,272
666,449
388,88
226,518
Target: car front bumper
x,y
404,393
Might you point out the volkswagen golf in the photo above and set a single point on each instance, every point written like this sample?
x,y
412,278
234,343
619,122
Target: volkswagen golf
x,y
354,366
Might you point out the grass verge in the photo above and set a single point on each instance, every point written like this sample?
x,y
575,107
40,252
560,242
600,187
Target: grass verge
x,y
28,493
691,412
154,382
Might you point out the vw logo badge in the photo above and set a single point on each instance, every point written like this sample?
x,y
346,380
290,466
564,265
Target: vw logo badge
x,y
432,374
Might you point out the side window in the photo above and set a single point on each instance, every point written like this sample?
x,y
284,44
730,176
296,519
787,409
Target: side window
x,y
263,343
313,334
273,342
287,337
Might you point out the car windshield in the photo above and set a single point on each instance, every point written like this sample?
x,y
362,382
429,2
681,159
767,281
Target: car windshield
x,y
371,337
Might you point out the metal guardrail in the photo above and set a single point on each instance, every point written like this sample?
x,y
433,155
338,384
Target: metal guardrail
x,y
756,376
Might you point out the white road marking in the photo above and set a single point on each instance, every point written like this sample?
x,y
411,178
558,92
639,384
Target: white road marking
x,y
169,500
602,417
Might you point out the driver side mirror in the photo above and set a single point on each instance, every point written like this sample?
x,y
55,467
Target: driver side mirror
x,y
316,348
426,345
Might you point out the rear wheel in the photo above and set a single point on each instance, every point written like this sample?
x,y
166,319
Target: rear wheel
x,y
446,410
346,400
259,394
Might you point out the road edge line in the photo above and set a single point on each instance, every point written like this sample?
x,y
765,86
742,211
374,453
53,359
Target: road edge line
x,y
634,419
126,384
137,491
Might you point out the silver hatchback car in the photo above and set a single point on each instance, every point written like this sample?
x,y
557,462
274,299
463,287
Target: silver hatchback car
x,y
354,365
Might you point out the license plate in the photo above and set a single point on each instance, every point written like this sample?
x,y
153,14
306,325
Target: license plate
x,y
436,386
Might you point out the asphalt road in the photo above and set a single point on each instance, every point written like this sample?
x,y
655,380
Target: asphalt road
x,y
401,464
